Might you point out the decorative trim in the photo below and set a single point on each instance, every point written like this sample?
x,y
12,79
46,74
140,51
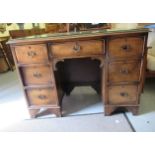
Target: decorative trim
x,y
100,59
55,61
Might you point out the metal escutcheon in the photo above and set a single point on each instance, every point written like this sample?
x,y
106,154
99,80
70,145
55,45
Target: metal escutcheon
x,y
31,53
126,48
37,75
124,71
42,97
124,94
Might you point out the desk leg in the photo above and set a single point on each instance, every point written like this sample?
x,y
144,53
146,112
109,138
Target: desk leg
x,y
108,110
33,112
56,111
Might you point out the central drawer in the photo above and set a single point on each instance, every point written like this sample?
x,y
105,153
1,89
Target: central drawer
x,y
28,54
90,47
42,96
124,94
37,75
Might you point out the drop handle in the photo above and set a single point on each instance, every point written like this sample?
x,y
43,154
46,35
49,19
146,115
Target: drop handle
x,y
31,53
124,94
42,97
126,48
77,47
37,75
124,71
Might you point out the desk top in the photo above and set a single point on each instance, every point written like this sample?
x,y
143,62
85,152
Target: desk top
x,y
73,35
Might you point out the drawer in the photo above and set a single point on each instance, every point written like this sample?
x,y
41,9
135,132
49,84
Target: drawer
x,y
129,47
92,47
42,96
124,71
37,75
123,94
31,54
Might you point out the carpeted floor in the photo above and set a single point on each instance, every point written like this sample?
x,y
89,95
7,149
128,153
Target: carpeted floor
x,y
84,123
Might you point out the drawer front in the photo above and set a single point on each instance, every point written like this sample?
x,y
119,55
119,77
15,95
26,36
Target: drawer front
x,y
92,47
124,71
31,54
122,94
129,47
37,75
45,96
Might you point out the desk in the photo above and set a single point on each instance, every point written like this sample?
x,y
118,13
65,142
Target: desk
x,y
113,62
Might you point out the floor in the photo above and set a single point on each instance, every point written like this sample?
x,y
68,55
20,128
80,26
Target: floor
x,y
83,107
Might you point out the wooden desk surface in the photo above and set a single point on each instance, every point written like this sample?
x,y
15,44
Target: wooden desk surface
x,y
74,35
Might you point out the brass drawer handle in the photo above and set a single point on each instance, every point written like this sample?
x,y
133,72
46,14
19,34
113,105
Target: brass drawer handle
x,y
31,53
37,75
124,94
126,48
42,97
77,47
124,71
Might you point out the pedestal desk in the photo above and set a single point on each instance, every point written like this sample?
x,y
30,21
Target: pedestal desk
x,y
113,62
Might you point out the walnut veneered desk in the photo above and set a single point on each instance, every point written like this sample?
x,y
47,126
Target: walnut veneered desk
x,y
112,62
